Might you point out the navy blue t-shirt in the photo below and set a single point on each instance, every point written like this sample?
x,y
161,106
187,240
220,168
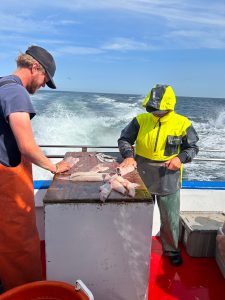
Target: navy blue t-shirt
x,y
13,98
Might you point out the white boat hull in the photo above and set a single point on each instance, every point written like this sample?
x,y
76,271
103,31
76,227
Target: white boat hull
x,y
191,200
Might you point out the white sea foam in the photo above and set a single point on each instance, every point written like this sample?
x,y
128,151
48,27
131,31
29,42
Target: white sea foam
x,y
105,100
97,119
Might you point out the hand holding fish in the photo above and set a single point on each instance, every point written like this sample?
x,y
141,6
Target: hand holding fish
x,y
129,161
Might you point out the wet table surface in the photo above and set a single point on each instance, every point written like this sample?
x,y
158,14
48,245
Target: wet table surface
x,y
64,190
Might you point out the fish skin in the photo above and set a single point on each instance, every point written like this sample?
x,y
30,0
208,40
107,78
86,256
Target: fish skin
x,y
130,186
99,168
121,185
118,186
105,190
89,176
115,182
105,158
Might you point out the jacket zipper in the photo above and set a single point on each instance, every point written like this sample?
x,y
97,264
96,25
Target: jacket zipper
x,y
157,136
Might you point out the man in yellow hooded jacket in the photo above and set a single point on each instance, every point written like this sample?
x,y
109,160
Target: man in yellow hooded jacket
x,y
164,141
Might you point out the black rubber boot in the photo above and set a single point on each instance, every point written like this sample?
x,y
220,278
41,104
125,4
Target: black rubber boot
x,y
176,259
1,288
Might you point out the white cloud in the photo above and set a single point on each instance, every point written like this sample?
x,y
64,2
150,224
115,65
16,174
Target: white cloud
x,y
189,23
198,39
21,24
205,12
25,23
125,44
68,22
74,50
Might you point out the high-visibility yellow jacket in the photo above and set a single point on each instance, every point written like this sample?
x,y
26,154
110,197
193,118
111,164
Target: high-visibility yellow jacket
x,y
158,140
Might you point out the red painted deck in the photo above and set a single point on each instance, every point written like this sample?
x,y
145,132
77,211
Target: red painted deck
x,y
196,279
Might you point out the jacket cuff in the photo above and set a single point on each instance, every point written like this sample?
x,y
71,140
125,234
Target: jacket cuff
x,y
128,153
182,156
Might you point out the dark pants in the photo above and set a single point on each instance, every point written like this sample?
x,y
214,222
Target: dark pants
x,y
1,288
169,208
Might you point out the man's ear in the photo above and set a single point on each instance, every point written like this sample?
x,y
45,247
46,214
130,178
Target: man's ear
x,y
34,67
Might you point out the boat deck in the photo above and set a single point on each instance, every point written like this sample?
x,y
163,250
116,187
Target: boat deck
x,y
196,279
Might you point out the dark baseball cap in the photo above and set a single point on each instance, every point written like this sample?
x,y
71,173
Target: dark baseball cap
x,y
46,60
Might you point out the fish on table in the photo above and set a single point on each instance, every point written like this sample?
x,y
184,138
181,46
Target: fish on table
x,y
111,181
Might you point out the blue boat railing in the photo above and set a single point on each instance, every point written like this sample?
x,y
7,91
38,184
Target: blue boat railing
x,y
190,185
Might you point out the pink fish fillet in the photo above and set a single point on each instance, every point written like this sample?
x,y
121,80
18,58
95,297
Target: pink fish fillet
x,y
125,170
89,176
118,186
99,168
130,186
72,161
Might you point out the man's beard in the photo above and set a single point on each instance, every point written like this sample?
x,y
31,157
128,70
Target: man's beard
x,y
32,88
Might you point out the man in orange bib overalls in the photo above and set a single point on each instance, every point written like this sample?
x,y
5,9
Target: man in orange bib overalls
x,y
20,260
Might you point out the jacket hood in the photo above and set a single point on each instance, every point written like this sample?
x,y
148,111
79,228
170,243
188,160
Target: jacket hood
x,y
161,97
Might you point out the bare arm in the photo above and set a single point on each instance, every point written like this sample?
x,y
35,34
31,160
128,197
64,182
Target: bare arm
x,y
21,128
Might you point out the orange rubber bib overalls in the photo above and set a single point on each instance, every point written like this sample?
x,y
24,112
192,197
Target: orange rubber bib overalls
x,y
20,259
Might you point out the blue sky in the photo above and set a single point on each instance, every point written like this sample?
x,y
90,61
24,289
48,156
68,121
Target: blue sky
x,y
122,46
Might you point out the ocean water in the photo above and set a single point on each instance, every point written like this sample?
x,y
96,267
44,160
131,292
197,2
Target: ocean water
x,y
96,119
